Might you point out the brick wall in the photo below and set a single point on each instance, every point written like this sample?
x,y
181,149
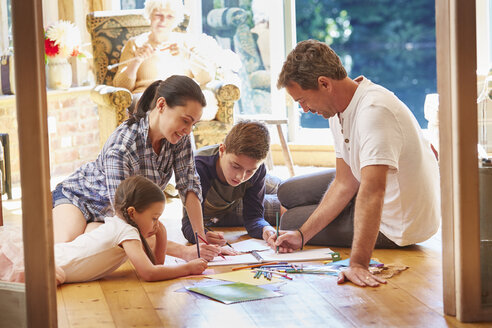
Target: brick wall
x,y
73,130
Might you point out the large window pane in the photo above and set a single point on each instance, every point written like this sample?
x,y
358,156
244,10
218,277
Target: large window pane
x,y
132,4
391,42
244,28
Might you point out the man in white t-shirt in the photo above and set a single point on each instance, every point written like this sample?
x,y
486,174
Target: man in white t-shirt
x,y
385,190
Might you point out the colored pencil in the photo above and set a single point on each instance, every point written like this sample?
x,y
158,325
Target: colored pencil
x,y
206,242
277,228
253,266
274,272
197,246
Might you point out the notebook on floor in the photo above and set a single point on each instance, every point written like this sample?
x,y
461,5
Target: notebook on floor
x,y
257,251
229,293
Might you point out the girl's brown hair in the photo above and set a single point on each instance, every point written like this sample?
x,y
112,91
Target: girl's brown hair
x,y
176,89
138,192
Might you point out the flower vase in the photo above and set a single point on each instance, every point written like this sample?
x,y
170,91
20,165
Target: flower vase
x,y
58,73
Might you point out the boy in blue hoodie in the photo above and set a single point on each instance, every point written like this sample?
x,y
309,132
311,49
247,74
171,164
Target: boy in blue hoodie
x,y
234,184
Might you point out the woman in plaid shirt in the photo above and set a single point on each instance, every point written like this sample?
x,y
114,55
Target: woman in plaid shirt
x,y
153,143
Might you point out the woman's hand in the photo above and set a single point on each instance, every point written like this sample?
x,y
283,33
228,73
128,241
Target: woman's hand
x,y
197,266
144,52
207,252
174,49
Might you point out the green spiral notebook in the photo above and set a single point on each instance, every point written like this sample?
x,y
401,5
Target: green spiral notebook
x,y
234,292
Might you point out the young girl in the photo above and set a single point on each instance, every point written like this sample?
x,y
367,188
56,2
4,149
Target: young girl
x,y
138,205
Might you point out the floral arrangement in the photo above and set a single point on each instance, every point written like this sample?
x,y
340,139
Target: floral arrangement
x,y
62,40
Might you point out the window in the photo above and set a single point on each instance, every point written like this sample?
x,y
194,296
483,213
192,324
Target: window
x,y
391,42
5,27
132,4
245,28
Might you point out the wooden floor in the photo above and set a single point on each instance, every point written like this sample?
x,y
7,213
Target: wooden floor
x,y
410,299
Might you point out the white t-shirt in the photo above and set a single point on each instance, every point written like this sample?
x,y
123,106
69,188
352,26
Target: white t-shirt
x,y
379,129
93,255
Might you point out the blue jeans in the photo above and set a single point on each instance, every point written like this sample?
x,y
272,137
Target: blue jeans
x,y
301,196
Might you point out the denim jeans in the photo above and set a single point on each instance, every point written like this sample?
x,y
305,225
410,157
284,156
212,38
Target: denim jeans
x,y
301,196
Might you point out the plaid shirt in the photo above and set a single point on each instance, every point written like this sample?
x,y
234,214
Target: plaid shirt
x,y
128,152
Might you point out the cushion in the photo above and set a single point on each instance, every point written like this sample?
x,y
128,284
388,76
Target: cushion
x,y
212,107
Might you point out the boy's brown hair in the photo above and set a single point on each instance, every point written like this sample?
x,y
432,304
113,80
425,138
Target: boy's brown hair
x,y
250,138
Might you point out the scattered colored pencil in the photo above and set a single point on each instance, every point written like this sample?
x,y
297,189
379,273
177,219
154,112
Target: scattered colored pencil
x,y
254,266
274,272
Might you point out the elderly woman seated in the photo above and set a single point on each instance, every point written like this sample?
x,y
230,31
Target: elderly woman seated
x,y
160,53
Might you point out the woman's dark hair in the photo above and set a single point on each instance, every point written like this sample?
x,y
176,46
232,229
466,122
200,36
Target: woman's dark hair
x,y
139,192
176,89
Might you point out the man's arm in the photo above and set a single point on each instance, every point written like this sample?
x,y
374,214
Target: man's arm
x,y
340,192
367,218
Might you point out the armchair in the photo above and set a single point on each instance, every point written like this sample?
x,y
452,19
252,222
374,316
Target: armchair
x,y
109,31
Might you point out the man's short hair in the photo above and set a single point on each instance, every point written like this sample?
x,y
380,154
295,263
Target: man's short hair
x,y
308,61
250,138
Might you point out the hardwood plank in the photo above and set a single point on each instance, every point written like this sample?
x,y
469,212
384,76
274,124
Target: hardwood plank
x,y
127,299
86,306
385,306
174,309
301,306
186,309
61,313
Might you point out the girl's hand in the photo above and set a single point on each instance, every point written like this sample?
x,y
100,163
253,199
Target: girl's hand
x,y
216,238
197,266
160,230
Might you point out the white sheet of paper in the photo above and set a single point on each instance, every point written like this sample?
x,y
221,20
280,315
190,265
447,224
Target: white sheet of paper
x,y
269,254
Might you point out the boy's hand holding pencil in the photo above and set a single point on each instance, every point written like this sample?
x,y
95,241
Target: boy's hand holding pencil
x,y
216,237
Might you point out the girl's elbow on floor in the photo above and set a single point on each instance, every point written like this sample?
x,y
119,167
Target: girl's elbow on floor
x,y
148,275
